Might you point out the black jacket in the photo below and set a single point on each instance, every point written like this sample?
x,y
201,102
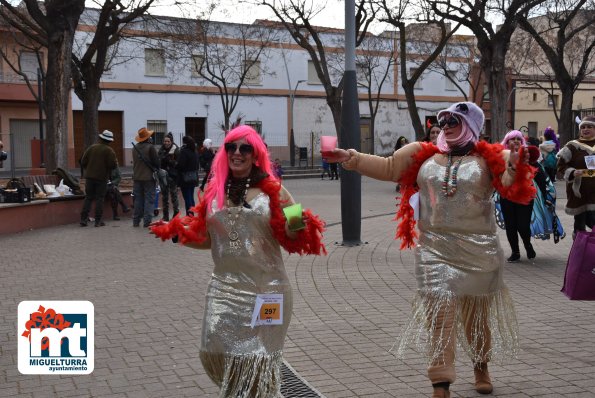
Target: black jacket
x,y
187,161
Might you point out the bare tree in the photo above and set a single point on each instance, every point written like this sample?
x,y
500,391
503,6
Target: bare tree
x,y
90,63
565,34
493,44
52,27
296,17
429,37
229,56
374,63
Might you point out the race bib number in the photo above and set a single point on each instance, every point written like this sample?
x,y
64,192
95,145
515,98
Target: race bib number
x,y
268,310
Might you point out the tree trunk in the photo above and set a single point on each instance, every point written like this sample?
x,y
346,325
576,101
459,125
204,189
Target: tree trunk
x,y
335,106
565,124
492,64
91,100
56,96
412,108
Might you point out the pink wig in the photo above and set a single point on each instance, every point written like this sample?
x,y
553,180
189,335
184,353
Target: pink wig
x,y
513,134
467,135
220,167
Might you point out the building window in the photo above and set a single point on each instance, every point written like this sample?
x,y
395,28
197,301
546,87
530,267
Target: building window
x,y
552,101
312,75
160,129
253,75
451,77
419,81
532,129
486,93
534,97
154,62
196,65
361,72
256,125
29,64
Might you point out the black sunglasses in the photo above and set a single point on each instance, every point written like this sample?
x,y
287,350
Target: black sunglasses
x,y
231,147
451,122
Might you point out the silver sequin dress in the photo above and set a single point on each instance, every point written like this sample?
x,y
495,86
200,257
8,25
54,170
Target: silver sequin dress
x,y
459,265
244,360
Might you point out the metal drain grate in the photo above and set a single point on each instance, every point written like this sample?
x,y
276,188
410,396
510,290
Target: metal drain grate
x,y
293,386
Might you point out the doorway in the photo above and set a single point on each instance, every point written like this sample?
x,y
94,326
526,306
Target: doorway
x,y
195,128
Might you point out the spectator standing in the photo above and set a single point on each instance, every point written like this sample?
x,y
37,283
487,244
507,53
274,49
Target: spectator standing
x,y
168,156
206,156
144,160
97,164
114,195
549,149
432,134
3,155
580,188
278,169
401,142
517,216
334,171
188,161
325,169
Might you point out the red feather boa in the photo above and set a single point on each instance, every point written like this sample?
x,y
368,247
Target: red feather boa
x,y
194,228
522,189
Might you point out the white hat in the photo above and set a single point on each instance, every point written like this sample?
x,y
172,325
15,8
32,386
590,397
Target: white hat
x,y
107,135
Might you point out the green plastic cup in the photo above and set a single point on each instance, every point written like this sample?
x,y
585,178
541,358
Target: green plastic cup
x,y
293,214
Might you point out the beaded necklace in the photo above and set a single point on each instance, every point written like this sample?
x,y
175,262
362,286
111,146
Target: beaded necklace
x,y
446,190
232,216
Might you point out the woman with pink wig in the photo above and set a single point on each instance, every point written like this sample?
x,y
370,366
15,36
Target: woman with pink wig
x,y
458,259
249,301
517,216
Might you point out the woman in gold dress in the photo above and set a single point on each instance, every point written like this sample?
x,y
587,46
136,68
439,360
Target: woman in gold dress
x,y
248,302
458,259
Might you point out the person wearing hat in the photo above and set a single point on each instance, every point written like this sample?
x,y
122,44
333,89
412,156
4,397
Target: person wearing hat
x,y
97,164
580,184
458,260
517,216
144,161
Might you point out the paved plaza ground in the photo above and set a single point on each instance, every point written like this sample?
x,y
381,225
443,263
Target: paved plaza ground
x,y
349,307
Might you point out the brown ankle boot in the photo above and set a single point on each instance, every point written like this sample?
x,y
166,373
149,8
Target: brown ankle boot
x,y
483,384
441,390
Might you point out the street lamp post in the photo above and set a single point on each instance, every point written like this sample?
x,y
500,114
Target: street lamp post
x,y
291,137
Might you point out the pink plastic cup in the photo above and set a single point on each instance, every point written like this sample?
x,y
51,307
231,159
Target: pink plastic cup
x,y
327,143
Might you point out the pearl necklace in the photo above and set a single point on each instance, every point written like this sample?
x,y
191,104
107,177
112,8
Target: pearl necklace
x,y
446,190
232,217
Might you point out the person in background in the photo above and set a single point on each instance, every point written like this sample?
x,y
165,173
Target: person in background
x,y
97,164
401,142
188,161
3,155
334,171
114,195
458,260
549,151
144,160
326,170
278,169
517,216
206,157
168,156
432,133
240,219
580,188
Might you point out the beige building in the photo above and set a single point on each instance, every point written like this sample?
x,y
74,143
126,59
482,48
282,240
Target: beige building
x,y
535,109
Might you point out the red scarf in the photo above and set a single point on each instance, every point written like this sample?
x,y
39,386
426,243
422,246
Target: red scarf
x,y
521,190
194,228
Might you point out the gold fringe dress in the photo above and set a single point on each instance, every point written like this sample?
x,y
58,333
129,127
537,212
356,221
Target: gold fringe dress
x,y
458,266
244,360
461,297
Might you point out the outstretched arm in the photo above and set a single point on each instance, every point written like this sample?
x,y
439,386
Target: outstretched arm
x,y
380,168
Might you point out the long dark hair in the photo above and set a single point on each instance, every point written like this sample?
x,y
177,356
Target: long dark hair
x,y
189,142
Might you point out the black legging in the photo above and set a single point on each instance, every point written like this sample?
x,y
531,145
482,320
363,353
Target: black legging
x,y
517,218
